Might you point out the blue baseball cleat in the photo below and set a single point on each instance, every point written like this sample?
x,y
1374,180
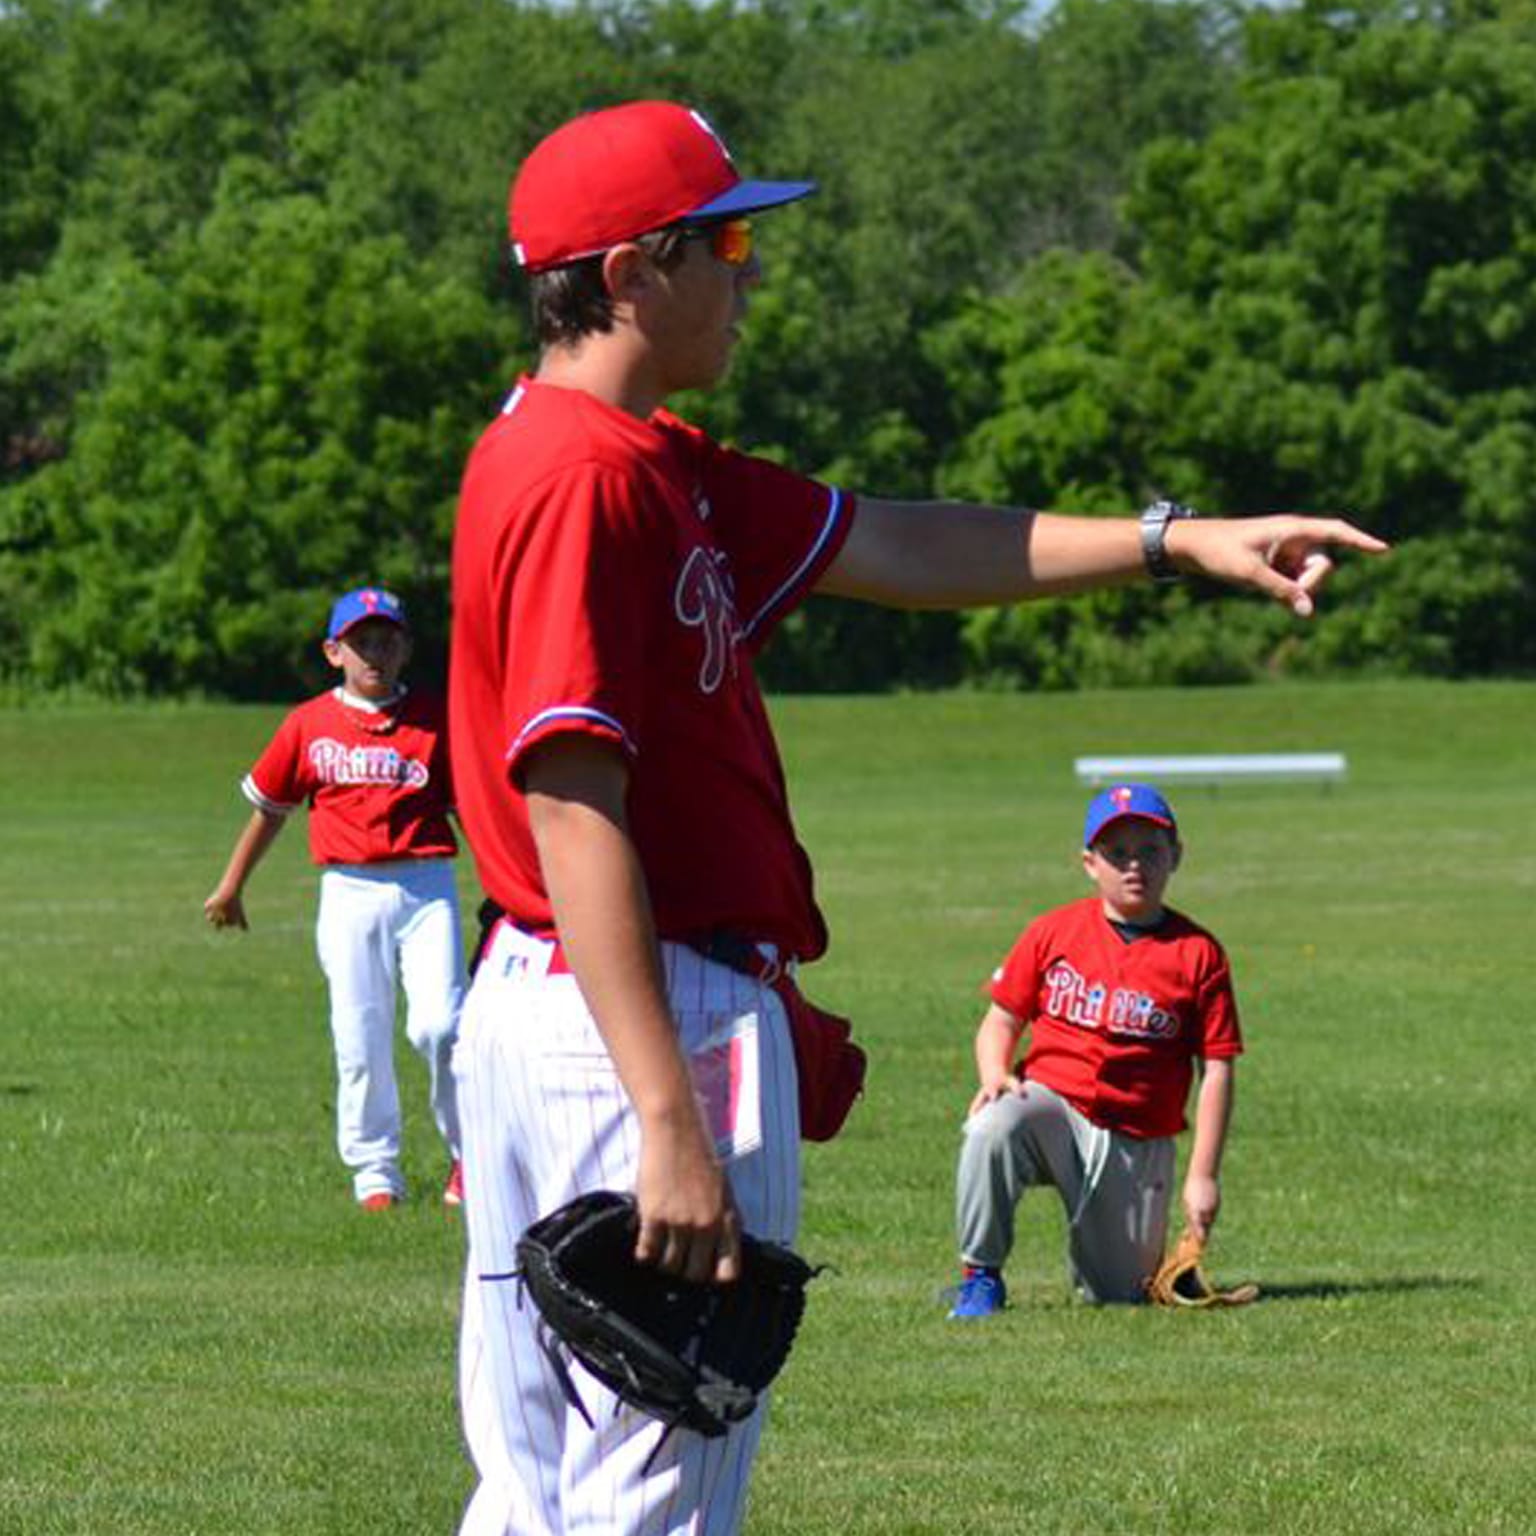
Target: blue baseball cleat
x,y
981,1292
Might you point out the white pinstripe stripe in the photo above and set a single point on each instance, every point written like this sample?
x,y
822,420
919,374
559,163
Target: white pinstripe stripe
x,y
546,1118
536,1400
536,1406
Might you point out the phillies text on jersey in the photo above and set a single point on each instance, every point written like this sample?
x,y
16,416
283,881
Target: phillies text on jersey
x,y
1114,1026
1093,1005
377,780
334,762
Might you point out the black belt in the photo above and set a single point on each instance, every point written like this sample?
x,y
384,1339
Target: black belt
x,y
720,946
730,949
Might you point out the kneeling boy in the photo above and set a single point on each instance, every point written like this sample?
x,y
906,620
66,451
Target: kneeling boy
x,y
1121,996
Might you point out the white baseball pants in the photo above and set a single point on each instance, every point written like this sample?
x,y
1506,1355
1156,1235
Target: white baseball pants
x,y
1114,1189
377,921
545,1119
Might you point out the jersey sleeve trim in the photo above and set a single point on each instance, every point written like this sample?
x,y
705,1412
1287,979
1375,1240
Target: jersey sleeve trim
x,y
1220,1050
264,802
569,717
821,553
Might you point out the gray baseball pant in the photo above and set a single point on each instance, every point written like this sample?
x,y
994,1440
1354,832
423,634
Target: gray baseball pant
x,y
1114,1189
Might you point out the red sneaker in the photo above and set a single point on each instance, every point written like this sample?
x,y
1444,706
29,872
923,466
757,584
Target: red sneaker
x,y
381,1201
453,1190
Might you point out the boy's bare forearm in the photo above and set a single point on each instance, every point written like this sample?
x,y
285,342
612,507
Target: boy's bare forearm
x,y
597,890
996,1046
256,837
948,554
225,908
1213,1117
605,927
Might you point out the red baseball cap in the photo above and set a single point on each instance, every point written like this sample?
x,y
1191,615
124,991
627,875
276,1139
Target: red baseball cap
x,y
609,176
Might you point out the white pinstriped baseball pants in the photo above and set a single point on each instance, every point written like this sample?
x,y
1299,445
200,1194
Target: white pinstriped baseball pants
x,y
544,1119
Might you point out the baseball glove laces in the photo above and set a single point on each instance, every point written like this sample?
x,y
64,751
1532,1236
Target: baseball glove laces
x,y
691,1355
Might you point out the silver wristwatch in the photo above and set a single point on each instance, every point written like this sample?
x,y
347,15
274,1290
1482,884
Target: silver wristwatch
x,y
1154,537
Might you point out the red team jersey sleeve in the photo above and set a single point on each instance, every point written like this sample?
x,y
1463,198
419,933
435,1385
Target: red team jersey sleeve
x,y
1015,985
277,782
576,608
781,531
1221,1036
1116,1027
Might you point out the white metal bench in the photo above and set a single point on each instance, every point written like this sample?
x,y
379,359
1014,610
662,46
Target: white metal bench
x,y
1216,768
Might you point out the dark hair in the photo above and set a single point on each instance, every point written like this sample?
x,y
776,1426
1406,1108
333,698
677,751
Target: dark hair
x,y
573,301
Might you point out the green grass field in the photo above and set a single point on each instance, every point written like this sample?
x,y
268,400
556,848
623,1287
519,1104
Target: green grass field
x,y
200,1335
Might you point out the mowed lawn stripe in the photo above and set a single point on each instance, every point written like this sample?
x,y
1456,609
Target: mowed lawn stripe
x,y
202,1335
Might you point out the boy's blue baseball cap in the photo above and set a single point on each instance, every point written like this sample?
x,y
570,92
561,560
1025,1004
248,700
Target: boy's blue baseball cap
x,y
364,603
1122,800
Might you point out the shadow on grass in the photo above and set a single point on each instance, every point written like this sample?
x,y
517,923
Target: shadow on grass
x,y
1332,1290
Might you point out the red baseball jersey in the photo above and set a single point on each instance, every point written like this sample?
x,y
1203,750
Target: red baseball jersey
x,y
1115,1026
377,780
615,577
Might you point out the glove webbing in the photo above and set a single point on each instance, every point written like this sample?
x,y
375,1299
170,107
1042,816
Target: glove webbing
x,y
724,1400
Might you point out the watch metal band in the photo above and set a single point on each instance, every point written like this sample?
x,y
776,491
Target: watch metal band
x,y
1154,537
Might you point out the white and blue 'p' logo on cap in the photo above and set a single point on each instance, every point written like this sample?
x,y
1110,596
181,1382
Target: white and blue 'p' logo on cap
x,y
1121,800
364,603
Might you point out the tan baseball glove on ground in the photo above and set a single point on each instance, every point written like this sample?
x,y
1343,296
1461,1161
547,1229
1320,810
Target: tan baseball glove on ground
x,y
1181,1280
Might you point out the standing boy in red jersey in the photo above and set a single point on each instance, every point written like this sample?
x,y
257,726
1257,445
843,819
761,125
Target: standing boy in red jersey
x,y
1120,996
371,760
615,574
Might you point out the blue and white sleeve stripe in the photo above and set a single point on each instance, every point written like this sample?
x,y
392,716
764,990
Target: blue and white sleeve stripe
x,y
562,713
790,584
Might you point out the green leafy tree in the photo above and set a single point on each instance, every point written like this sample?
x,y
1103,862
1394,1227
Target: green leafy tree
x,y
1350,268
1112,77
1326,302
272,422
948,162
255,302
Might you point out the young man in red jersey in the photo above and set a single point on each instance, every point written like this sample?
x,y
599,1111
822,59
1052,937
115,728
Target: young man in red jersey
x,y
615,572
370,757
1121,997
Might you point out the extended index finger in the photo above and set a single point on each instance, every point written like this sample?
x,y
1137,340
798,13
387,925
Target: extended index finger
x,y
1335,530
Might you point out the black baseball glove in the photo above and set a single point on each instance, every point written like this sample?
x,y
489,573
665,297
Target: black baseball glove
x,y
689,1354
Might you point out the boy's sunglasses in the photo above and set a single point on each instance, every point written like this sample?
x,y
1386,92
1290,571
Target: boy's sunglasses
x,y
730,242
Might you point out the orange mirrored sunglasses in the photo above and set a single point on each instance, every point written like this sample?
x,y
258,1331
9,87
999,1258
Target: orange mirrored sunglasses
x,y
730,241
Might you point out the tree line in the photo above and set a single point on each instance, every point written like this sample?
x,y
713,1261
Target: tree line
x,y
255,305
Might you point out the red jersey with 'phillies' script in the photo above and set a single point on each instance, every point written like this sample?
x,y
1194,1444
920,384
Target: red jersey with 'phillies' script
x,y
377,780
615,577
1115,1026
